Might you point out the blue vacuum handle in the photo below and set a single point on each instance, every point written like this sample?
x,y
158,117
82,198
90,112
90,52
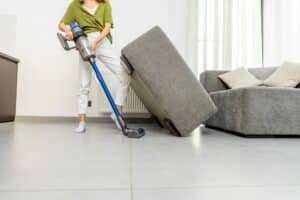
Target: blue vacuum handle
x,y
105,88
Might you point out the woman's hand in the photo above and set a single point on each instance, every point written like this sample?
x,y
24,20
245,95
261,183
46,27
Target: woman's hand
x,y
101,37
94,45
69,35
66,30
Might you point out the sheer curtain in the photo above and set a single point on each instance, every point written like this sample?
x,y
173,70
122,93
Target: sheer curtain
x,y
281,31
192,35
229,33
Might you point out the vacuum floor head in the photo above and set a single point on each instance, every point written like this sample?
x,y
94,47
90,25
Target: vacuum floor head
x,y
135,133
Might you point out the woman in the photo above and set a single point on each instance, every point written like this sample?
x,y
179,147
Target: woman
x,y
95,18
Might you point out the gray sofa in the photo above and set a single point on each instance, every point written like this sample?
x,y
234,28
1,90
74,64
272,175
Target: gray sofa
x,y
253,111
8,87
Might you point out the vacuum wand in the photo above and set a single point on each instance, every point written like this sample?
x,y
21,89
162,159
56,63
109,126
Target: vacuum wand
x,y
82,45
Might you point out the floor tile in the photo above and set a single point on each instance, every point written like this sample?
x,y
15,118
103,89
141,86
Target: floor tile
x,y
51,156
43,160
217,160
67,195
232,193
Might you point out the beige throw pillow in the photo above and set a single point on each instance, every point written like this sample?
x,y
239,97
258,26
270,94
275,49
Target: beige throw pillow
x,y
240,78
287,75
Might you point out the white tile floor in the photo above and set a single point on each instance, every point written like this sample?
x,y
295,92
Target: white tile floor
x,y
45,160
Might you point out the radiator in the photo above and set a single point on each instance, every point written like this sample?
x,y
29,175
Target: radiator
x,y
133,104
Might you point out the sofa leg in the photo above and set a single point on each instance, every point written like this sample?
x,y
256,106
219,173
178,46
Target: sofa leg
x,y
170,126
157,121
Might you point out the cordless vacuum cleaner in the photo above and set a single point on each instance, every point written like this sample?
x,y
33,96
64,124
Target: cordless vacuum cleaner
x,y
82,45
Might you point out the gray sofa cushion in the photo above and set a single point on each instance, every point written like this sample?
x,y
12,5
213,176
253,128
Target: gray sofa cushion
x,y
230,110
165,84
258,111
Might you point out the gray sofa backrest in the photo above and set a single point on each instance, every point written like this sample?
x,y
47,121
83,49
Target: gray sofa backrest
x,y
212,83
262,73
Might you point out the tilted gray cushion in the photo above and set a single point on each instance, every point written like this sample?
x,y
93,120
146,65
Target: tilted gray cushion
x,y
165,84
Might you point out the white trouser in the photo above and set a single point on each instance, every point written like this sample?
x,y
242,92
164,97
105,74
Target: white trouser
x,y
107,55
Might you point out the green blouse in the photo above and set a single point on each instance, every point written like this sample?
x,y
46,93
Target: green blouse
x,y
89,23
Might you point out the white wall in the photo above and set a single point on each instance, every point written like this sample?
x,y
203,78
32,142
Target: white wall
x,y
8,37
47,75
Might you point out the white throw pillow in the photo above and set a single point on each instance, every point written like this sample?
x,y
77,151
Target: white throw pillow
x,y
287,75
240,78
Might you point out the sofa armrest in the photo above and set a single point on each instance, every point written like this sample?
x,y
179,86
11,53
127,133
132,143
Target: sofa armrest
x,y
211,82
